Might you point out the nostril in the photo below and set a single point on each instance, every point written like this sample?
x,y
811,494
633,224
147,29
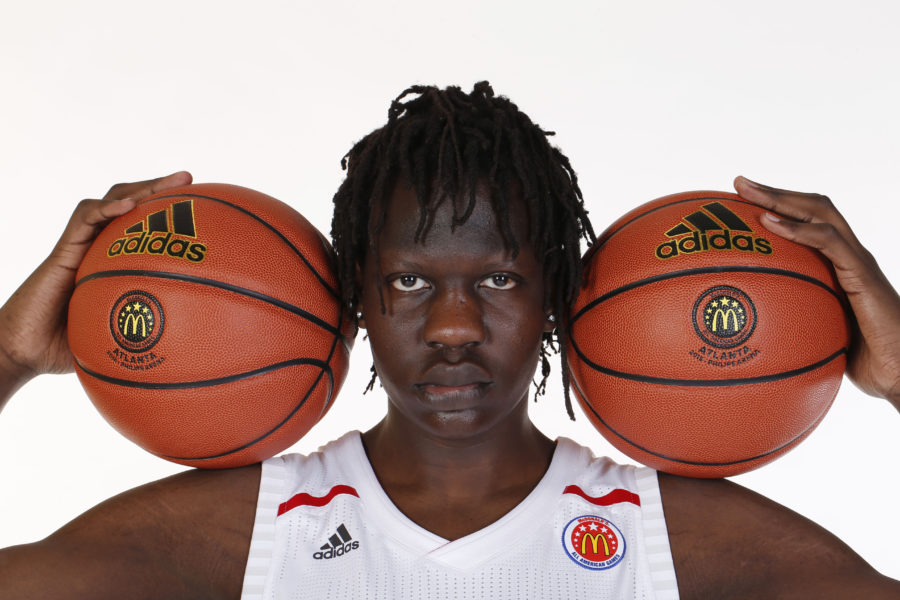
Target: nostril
x,y
458,325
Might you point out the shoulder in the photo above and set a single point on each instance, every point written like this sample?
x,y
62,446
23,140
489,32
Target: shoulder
x,y
336,460
602,471
730,542
603,482
291,480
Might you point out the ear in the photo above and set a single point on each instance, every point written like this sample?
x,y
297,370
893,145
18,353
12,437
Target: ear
x,y
549,322
360,318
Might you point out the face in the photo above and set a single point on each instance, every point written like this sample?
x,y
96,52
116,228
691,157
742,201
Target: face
x,y
458,343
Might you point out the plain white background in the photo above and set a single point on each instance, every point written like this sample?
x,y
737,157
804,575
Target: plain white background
x,y
648,98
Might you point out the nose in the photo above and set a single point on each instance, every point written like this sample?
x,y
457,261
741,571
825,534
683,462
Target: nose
x,y
455,320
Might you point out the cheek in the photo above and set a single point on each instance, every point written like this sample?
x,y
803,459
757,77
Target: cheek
x,y
519,328
391,339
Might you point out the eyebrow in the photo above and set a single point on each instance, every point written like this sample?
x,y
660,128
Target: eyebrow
x,y
496,261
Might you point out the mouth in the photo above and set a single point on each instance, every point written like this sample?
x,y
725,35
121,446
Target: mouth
x,y
452,397
454,387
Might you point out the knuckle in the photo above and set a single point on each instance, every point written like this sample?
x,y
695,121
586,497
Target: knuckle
x,y
828,231
822,202
83,206
115,189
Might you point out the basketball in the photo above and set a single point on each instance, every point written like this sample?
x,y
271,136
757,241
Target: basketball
x,y
702,344
206,325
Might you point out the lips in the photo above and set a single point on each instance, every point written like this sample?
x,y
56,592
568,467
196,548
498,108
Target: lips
x,y
454,387
453,376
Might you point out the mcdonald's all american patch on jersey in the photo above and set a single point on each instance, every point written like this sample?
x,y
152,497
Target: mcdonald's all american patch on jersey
x,y
593,542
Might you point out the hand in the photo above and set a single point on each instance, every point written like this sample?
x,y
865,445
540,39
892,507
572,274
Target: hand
x,y
811,219
33,320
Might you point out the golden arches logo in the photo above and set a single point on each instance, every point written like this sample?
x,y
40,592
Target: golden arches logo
x,y
725,317
131,322
136,321
595,544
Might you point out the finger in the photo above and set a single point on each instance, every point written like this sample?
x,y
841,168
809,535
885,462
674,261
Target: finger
x,y
92,215
855,267
805,207
141,189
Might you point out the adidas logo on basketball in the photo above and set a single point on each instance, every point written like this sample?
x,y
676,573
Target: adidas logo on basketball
x,y
168,232
339,544
715,227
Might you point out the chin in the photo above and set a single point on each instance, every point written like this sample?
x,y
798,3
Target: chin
x,y
465,425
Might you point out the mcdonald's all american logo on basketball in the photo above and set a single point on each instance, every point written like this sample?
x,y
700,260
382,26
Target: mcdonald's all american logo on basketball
x,y
724,316
168,232
593,542
136,322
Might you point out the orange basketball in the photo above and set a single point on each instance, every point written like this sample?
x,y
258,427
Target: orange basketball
x,y
206,325
702,344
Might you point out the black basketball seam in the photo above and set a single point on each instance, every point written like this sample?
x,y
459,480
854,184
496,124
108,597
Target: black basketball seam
x,y
265,223
326,369
200,383
698,463
706,382
334,342
213,283
703,271
323,370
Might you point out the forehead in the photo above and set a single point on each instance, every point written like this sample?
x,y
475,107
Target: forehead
x,y
442,230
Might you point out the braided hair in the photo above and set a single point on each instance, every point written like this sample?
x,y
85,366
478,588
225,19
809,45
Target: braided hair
x,y
444,142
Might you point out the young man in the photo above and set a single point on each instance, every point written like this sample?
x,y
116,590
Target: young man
x,y
457,232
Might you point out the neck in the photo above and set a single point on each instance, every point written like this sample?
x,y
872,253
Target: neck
x,y
454,487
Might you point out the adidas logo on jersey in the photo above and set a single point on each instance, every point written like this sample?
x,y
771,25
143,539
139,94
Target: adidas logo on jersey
x,y
715,227
339,544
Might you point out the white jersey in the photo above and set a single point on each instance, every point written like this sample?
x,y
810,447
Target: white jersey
x,y
325,529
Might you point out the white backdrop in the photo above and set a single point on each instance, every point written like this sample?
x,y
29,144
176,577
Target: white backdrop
x,y
648,98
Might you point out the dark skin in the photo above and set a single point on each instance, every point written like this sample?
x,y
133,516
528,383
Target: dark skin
x,y
467,317
455,348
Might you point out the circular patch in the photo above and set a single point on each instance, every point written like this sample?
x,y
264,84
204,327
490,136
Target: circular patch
x,y
593,542
136,321
724,316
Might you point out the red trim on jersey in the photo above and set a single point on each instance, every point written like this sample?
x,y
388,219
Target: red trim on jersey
x,y
614,497
303,499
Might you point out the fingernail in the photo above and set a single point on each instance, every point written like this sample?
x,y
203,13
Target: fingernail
x,y
771,217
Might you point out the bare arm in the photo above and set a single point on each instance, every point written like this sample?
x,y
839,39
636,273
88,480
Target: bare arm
x,y
186,536
729,542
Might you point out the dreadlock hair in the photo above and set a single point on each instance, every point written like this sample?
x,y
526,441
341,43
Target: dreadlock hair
x,y
443,142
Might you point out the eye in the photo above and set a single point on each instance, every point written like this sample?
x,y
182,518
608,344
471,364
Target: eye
x,y
499,281
408,283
